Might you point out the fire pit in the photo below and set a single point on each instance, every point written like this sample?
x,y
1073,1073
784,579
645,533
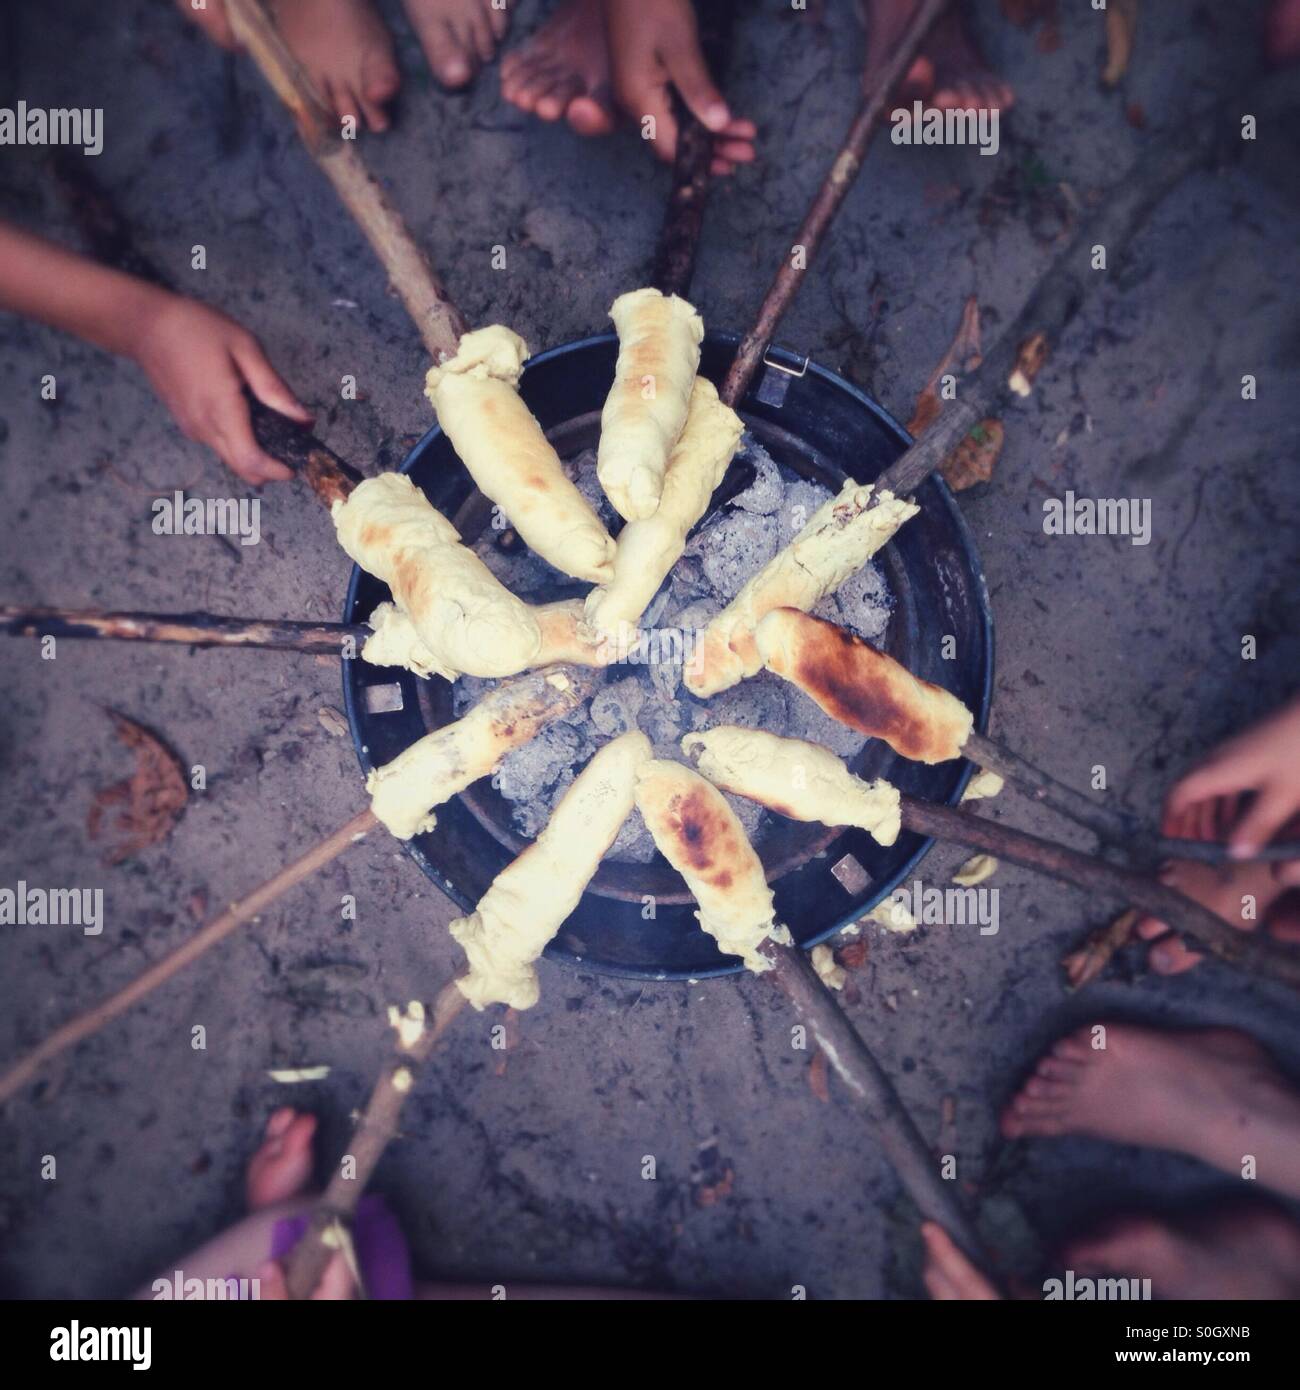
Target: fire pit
x,y
818,429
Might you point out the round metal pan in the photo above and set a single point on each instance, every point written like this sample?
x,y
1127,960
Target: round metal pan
x,y
820,426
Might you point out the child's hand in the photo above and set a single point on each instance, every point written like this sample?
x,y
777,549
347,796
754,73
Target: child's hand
x,y
654,45
1265,761
212,19
198,361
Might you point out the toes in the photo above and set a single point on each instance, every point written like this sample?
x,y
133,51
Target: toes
x,y
529,85
1053,1068
498,20
734,151
446,55
479,32
553,105
280,1121
589,116
1170,957
1047,1088
1074,1047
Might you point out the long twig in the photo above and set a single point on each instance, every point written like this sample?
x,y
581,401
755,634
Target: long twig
x,y
917,1167
438,321
376,1127
248,909
1252,951
844,170
187,629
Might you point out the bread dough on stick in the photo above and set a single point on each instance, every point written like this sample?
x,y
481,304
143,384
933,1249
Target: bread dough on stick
x,y
702,838
395,641
840,537
466,618
658,355
476,397
530,899
864,688
649,548
404,792
794,778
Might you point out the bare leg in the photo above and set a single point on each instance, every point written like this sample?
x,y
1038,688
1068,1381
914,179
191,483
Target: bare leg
x,y
1213,1094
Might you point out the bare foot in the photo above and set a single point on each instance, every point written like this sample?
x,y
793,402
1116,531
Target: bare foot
x,y
1282,32
1244,895
1213,1094
458,36
563,70
281,1168
949,73
347,52
1245,1249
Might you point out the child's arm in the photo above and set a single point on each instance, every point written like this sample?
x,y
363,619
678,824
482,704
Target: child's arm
x,y
196,359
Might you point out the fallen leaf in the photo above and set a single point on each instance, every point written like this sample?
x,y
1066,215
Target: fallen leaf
x,y
818,1081
1030,357
1121,22
1085,964
1136,115
963,354
853,956
198,904
332,721
973,460
152,798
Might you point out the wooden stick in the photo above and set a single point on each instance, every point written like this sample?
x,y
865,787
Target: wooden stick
x,y
111,242
377,1126
438,321
188,629
248,909
917,1167
1113,826
679,236
843,172
1251,951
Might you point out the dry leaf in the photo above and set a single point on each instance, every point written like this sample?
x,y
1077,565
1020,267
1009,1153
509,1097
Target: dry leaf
x,y
152,799
332,721
972,461
1030,357
1121,22
853,956
1085,964
963,356
818,1081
